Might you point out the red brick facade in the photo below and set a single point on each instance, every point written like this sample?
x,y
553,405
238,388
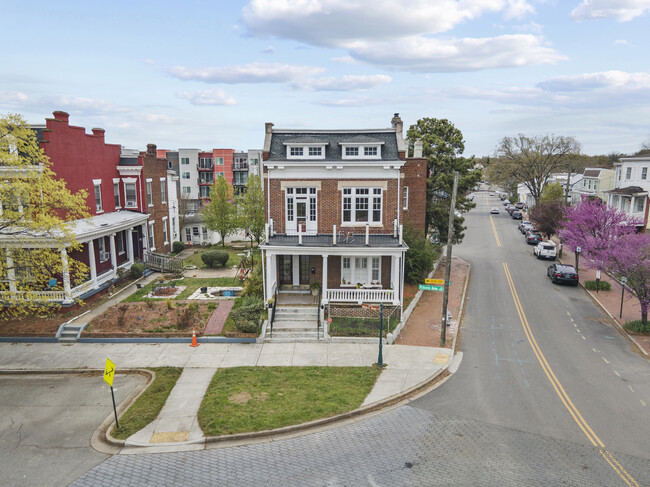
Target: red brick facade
x,y
155,169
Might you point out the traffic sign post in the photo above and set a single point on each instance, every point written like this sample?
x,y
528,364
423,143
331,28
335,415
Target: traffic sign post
x,y
109,374
440,282
623,282
597,280
380,358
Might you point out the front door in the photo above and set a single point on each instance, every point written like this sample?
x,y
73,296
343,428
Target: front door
x,y
304,270
301,214
285,266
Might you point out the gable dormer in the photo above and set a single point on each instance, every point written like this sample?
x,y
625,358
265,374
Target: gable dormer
x,y
305,148
361,147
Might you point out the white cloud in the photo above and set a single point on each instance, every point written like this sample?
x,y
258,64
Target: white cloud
x,y
389,34
342,83
246,73
428,55
156,118
150,61
621,42
207,97
344,60
268,50
621,10
610,81
47,103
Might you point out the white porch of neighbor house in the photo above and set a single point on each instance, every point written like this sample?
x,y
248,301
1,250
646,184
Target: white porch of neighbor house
x,y
87,232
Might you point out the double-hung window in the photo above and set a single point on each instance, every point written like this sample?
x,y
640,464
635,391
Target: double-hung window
x,y
165,234
628,173
362,205
295,151
405,198
185,161
644,173
364,271
351,151
149,193
151,239
116,193
98,195
163,191
130,195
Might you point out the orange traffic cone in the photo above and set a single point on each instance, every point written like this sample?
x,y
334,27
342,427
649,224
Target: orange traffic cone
x,y
194,342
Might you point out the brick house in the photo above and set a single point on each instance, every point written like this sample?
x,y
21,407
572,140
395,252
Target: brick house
x,y
336,205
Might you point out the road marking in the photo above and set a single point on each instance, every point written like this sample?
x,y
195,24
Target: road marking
x,y
559,389
595,350
606,361
642,402
494,229
583,337
617,374
631,389
578,330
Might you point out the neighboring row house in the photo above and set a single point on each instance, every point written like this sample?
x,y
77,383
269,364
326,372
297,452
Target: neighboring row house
x,y
596,182
133,210
631,186
336,205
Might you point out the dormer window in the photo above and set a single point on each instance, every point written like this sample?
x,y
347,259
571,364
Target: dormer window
x,y
305,150
361,149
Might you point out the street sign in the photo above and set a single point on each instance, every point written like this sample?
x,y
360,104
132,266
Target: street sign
x,y
109,372
578,249
435,281
624,280
427,287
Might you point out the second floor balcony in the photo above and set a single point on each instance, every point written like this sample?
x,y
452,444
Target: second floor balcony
x,y
205,166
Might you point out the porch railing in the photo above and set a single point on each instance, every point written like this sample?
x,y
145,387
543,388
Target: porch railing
x,y
40,296
361,295
163,262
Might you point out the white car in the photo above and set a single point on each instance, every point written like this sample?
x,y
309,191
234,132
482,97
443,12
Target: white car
x,y
495,211
545,250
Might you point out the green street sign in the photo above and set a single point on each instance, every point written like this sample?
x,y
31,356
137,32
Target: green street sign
x,y
427,287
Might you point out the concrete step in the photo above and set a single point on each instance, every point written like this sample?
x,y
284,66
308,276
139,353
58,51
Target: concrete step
x,y
294,313
293,327
69,332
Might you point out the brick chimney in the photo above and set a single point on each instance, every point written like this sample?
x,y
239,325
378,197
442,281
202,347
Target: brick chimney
x,y
417,148
98,132
151,150
61,116
396,123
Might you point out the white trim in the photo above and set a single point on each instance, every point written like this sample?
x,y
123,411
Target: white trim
x,y
300,184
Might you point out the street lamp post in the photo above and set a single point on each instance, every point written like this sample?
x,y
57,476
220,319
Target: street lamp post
x,y
623,282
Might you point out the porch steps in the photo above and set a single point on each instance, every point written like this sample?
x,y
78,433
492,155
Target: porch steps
x,y
69,332
295,324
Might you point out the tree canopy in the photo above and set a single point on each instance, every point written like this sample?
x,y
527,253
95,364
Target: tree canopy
x,y
251,208
547,216
552,193
443,146
531,160
220,214
34,206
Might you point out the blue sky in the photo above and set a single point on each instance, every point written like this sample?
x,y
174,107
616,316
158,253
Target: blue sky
x,y
209,74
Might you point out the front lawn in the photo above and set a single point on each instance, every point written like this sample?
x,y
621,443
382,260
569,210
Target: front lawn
x,y
233,259
146,408
247,399
360,327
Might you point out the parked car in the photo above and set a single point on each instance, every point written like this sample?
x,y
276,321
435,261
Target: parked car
x,y
563,273
510,209
519,205
491,194
516,215
495,211
545,250
523,223
533,237
506,202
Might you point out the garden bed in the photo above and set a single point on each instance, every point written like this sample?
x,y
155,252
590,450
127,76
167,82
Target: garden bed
x,y
168,318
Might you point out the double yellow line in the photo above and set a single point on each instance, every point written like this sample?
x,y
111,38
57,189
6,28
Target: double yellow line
x,y
494,229
559,390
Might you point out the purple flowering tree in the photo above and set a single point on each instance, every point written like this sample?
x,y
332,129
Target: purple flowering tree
x,y
594,227
609,242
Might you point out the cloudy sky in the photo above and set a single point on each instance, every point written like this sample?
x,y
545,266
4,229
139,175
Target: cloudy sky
x,y
209,74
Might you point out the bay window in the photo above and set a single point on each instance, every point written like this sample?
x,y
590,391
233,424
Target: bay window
x,y
360,271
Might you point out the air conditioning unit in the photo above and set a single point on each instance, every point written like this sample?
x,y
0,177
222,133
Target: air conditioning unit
x,y
103,256
130,204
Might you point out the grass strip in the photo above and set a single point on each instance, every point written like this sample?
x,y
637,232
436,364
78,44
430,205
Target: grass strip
x,y
247,399
146,408
361,327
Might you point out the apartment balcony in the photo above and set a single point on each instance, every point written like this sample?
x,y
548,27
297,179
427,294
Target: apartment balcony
x,y
206,182
205,167
240,167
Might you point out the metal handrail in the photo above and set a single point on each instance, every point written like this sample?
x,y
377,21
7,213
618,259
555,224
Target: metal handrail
x,y
275,305
320,292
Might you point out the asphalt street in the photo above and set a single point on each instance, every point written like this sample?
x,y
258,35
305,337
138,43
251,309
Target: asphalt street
x,y
47,421
547,394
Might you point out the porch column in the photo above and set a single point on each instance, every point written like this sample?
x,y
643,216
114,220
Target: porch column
x,y
11,272
65,270
113,254
270,275
324,286
632,205
394,272
129,245
91,262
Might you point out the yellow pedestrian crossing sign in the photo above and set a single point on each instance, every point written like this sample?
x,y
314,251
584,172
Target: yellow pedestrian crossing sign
x,y
109,372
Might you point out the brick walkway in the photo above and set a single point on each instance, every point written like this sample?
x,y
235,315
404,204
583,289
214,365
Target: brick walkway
x,y
218,318
423,326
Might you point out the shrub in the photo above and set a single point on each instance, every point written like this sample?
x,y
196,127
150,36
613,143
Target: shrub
x,y
636,326
247,318
602,286
178,247
215,258
254,284
136,271
419,258
186,316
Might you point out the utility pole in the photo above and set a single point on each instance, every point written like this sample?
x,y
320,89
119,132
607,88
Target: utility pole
x,y
450,237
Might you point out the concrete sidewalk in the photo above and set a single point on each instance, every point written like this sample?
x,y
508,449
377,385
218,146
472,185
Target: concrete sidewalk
x,y
176,428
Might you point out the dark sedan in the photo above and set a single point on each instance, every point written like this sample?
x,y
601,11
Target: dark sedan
x,y
560,273
533,238
516,215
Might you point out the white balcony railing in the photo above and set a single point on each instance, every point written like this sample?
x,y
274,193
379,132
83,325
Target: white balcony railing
x,y
40,296
361,296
